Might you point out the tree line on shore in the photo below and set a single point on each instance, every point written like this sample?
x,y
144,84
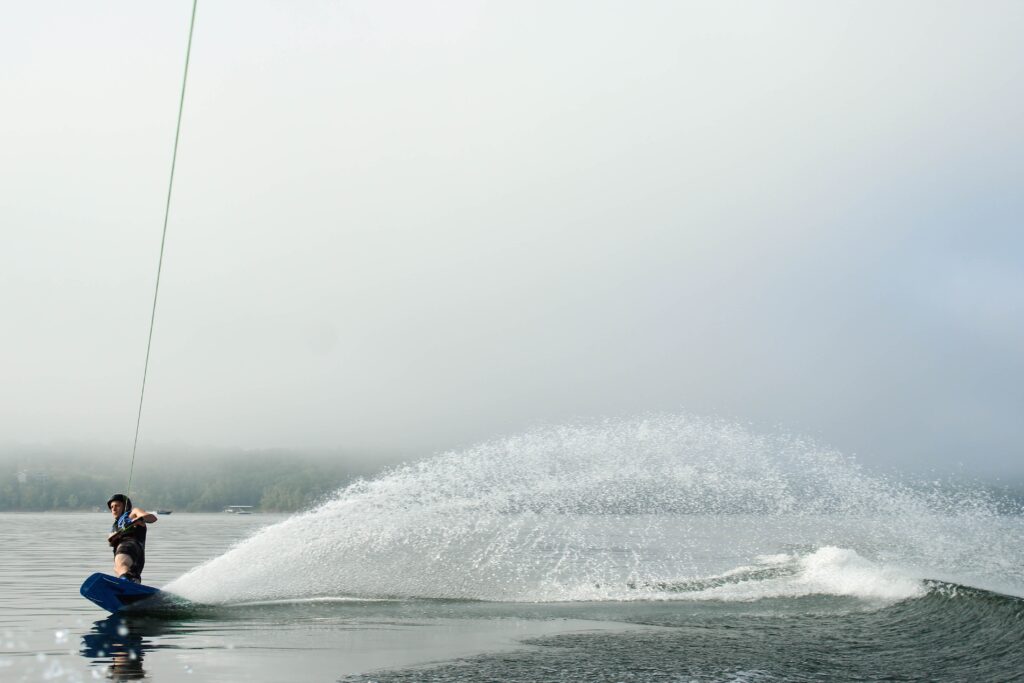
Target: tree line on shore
x,y
278,481
208,481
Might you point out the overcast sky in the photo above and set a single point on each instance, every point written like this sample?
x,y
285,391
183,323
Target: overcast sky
x,y
412,226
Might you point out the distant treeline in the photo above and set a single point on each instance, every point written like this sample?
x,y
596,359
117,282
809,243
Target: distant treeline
x,y
267,480
274,481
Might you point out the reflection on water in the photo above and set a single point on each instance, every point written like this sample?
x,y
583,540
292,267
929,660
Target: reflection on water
x,y
118,645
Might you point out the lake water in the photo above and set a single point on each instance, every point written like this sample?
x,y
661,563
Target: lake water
x,y
734,627
49,632
631,552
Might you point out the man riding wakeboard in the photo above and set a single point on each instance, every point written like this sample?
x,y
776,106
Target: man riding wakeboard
x,y
128,537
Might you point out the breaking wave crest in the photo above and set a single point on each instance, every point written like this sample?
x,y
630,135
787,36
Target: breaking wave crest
x,y
826,571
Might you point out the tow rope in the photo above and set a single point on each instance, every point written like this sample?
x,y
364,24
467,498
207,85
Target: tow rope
x,y
163,240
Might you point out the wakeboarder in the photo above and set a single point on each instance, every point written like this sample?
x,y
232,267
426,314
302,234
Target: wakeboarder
x,y
128,537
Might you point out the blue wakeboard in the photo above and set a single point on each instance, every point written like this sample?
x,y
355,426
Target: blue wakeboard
x,y
113,594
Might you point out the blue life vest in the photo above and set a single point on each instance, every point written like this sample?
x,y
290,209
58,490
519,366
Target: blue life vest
x,y
137,533
121,522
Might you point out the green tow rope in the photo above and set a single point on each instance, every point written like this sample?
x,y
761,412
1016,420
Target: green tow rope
x,y
163,239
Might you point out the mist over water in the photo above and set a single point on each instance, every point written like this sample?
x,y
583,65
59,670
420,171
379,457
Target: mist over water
x,y
652,508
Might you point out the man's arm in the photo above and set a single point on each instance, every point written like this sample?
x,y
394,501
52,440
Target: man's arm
x,y
140,516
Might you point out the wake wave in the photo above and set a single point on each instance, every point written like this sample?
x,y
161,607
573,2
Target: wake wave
x,y
826,571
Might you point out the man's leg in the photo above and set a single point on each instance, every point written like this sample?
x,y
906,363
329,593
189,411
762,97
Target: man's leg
x,y
125,561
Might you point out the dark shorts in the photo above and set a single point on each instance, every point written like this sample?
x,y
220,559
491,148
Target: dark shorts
x,y
134,550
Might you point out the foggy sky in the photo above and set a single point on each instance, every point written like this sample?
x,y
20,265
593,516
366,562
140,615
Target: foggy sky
x,y
414,226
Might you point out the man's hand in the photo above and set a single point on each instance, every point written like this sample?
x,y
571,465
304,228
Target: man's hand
x,y
114,538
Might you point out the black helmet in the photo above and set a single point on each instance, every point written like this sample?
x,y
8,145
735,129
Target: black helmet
x,y
121,498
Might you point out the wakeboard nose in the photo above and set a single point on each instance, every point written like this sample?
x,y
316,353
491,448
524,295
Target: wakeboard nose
x,y
113,594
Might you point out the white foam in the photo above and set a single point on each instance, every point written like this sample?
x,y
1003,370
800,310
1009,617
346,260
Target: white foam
x,y
826,571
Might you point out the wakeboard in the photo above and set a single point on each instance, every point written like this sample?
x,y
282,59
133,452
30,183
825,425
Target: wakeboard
x,y
113,594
